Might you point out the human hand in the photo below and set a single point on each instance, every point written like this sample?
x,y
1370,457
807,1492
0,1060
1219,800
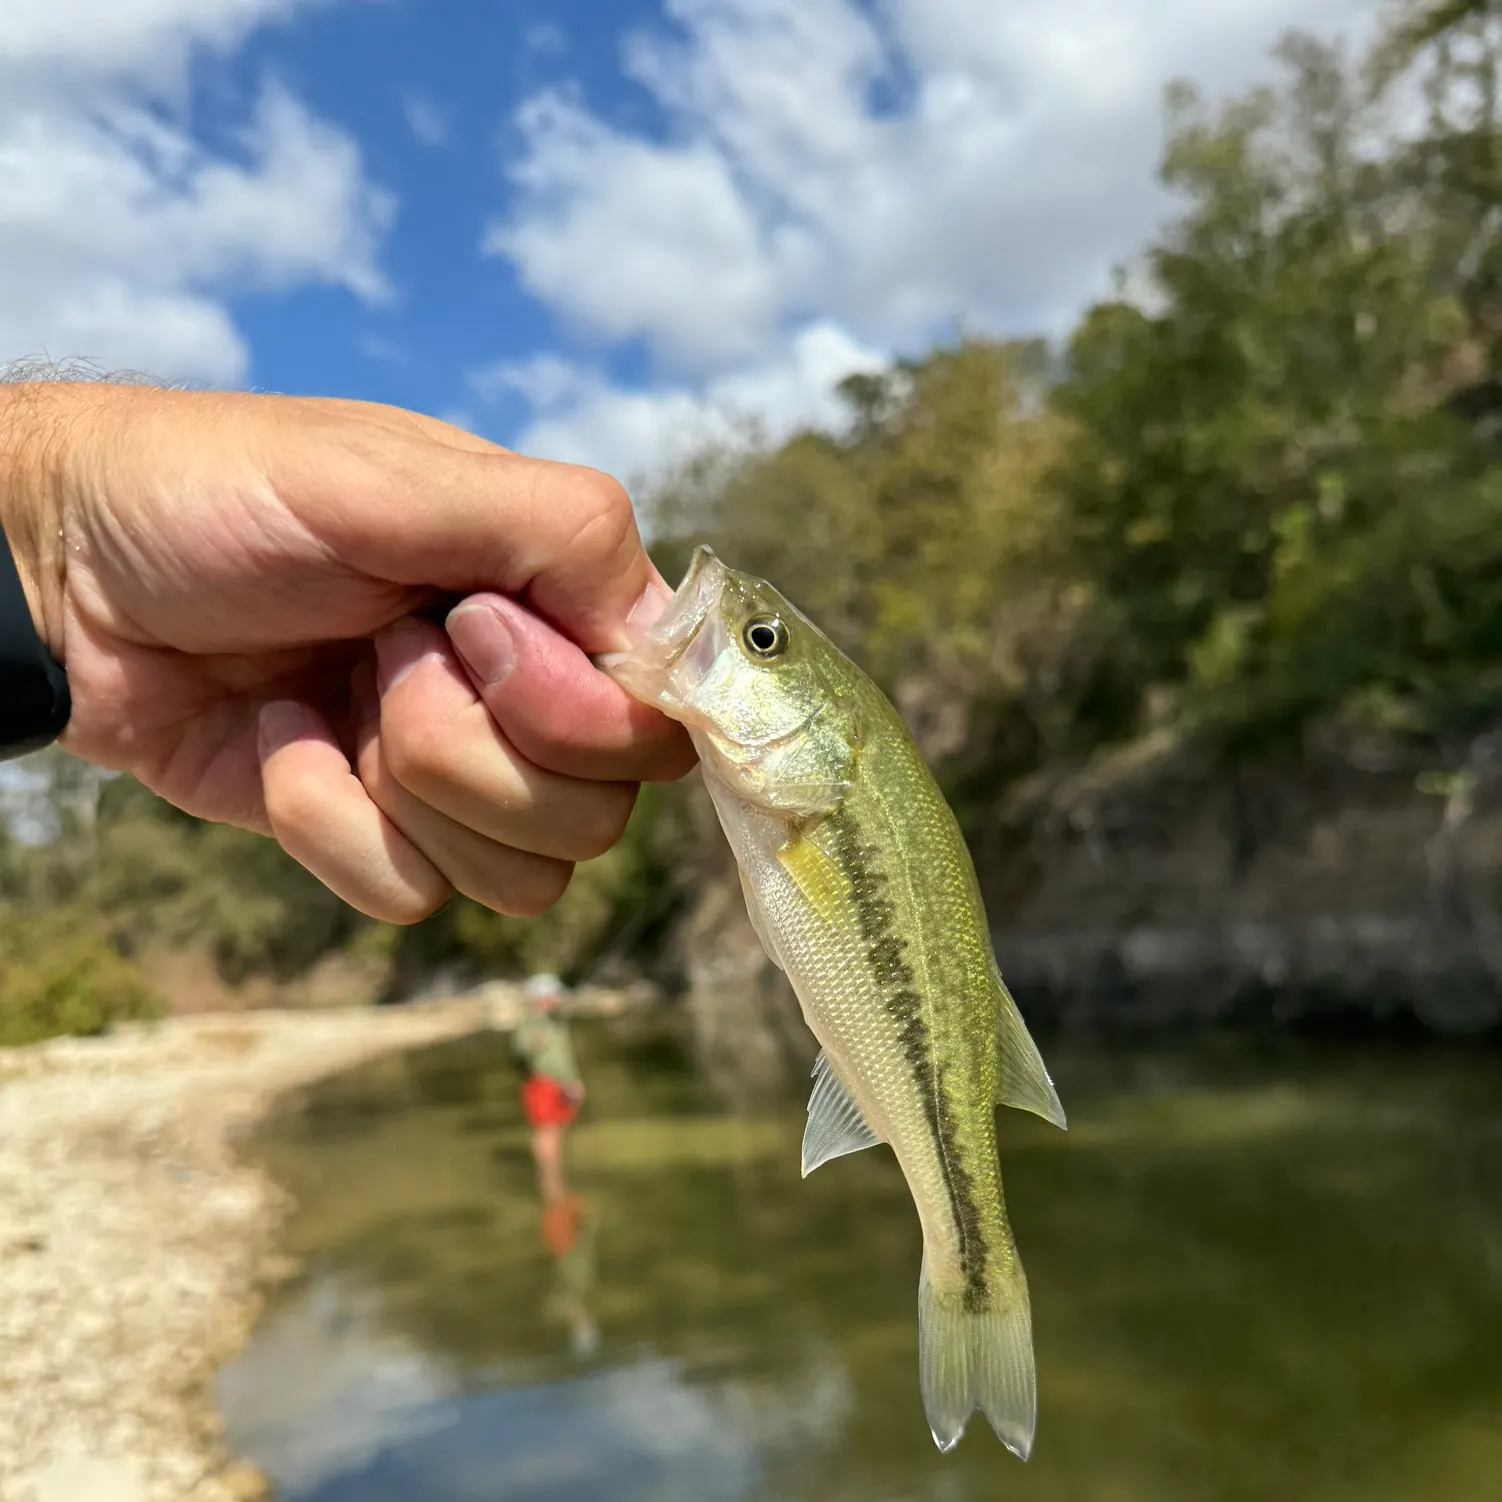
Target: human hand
x,y
233,585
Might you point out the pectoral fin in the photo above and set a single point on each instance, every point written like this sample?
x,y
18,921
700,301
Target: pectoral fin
x,y
835,1124
1022,1081
817,876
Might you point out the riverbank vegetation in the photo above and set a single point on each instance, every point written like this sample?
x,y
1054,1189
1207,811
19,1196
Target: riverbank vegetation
x,y
1254,497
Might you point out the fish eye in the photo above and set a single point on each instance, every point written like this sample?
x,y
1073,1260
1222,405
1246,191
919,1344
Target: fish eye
x,y
765,636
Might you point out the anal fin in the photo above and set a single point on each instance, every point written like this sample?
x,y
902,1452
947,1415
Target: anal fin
x,y
1022,1081
835,1124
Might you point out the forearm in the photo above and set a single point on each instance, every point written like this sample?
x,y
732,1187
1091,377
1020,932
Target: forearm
x,y
35,418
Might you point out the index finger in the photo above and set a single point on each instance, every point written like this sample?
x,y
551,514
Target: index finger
x,y
554,705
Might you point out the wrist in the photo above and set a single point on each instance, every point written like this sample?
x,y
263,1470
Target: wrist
x,y
32,418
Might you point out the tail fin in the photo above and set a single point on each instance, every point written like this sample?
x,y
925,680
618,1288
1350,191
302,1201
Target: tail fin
x,y
977,1360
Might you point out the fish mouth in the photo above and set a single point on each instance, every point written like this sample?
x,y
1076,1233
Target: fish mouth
x,y
650,671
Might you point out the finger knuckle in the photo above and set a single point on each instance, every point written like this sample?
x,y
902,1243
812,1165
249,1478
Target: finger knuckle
x,y
606,525
404,904
534,886
676,759
296,800
603,820
417,751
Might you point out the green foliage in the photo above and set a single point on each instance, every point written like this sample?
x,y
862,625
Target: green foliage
x,y
58,974
1260,492
1424,22
617,912
60,969
110,874
1266,484
160,876
901,539
1256,495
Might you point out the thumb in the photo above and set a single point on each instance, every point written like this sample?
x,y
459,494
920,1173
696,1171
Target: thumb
x,y
424,505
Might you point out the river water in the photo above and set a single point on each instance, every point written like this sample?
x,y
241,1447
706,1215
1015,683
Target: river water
x,y
1258,1272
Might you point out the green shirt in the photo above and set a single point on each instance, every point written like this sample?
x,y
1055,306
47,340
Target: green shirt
x,y
543,1044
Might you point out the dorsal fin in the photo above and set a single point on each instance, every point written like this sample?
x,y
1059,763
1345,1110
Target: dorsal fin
x,y
835,1124
1021,1079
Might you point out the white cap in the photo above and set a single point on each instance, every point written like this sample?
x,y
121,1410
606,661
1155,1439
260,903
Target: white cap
x,y
539,986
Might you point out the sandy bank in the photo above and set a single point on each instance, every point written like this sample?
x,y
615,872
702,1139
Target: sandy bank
x,y
133,1243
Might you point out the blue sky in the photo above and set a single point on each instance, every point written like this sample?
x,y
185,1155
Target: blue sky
x,y
453,70
600,231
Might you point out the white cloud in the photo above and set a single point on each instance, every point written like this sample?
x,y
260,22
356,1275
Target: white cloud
x,y
584,419
545,39
886,172
593,243
119,232
428,121
126,35
322,1391
324,1353
1017,167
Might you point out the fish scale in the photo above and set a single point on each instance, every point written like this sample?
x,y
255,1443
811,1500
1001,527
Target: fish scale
x,y
860,885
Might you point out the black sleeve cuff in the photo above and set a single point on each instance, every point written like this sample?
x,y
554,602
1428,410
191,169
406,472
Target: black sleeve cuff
x,y
34,699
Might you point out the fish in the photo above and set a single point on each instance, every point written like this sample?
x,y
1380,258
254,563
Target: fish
x,y
861,888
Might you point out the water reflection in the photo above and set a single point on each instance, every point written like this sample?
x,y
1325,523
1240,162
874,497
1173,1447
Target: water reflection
x,y
324,1356
367,1427
1253,1278
569,1227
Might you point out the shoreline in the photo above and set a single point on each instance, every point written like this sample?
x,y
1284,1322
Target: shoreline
x,y
136,1245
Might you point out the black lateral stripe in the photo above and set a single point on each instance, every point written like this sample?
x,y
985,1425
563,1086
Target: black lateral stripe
x,y
897,986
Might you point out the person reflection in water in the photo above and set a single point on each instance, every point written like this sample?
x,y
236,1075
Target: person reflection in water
x,y
568,1231
553,1089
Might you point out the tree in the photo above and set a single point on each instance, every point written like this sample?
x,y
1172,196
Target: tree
x,y
1264,484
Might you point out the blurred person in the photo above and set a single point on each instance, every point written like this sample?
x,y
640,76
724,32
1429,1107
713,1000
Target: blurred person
x,y
353,628
553,1088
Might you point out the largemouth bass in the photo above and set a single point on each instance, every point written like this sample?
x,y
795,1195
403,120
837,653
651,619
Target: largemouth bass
x,y
861,888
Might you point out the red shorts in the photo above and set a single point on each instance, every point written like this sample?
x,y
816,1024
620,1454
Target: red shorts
x,y
546,1102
